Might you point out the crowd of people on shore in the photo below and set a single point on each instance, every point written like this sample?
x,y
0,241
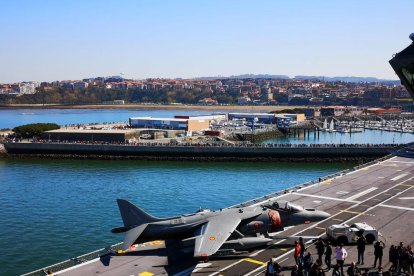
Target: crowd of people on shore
x,y
401,259
200,143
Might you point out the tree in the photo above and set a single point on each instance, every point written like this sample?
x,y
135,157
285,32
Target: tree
x,y
30,130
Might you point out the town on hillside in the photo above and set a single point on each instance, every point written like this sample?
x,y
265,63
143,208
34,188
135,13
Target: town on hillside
x,y
209,91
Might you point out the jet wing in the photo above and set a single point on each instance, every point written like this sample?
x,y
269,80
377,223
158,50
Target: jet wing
x,y
213,234
132,235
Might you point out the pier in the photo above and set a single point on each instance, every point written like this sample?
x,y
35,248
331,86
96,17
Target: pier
x,y
377,193
213,151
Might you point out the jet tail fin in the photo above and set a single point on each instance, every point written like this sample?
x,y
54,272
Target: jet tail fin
x,y
132,215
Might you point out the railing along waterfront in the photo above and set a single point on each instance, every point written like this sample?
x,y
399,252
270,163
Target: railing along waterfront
x,y
75,261
218,144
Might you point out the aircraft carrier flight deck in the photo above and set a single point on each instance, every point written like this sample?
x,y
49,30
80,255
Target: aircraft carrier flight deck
x,y
380,194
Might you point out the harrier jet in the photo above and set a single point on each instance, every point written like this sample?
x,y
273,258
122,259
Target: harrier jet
x,y
212,232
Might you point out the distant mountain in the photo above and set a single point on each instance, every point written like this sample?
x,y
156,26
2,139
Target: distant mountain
x,y
247,76
259,76
347,79
301,77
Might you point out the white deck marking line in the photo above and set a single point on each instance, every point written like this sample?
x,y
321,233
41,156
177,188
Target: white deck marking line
x,y
362,193
326,197
317,201
397,207
291,251
406,198
76,266
200,266
319,183
399,177
283,260
342,192
405,162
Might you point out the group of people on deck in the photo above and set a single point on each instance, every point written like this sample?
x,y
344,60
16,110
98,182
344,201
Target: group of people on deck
x,y
401,259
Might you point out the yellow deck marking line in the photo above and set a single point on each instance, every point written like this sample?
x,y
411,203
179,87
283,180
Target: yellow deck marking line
x,y
364,169
353,212
388,194
389,165
398,170
358,213
284,249
406,185
145,273
381,177
338,219
363,205
397,190
157,242
376,199
250,260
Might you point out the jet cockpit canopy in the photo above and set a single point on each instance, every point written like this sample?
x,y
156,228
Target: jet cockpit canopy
x,y
285,206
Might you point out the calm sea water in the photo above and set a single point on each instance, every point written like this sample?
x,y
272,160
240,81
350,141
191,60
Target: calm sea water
x,y
52,210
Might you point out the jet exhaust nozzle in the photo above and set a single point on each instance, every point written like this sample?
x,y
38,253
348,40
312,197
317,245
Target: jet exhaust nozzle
x,y
122,229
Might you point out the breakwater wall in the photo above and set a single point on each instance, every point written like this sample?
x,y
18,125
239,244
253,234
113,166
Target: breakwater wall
x,y
171,152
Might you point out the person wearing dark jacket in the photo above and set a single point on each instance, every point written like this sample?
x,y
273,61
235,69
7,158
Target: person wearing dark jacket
x,y
378,252
302,249
320,248
361,242
328,254
307,263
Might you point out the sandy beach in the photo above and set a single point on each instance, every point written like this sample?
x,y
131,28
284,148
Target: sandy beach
x,y
213,108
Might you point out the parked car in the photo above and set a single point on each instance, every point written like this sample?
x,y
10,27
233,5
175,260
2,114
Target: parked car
x,y
343,233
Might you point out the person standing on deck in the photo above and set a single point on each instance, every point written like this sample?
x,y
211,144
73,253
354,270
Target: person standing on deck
x,y
302,250
378,252
341,255
320,248
361,242
328,254
297,253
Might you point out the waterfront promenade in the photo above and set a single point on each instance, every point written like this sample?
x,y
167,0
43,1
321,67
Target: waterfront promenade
x,y
201,151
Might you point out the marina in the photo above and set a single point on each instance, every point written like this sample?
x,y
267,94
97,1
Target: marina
x,y
375,193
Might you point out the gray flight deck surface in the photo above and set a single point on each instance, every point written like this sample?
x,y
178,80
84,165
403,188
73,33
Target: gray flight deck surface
x,y
380,195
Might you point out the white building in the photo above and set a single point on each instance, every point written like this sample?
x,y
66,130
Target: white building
x,y
28,87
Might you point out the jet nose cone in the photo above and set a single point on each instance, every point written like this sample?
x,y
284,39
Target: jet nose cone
x,y
321,215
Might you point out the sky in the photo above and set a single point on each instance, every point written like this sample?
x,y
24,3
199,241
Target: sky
x,y
47,40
